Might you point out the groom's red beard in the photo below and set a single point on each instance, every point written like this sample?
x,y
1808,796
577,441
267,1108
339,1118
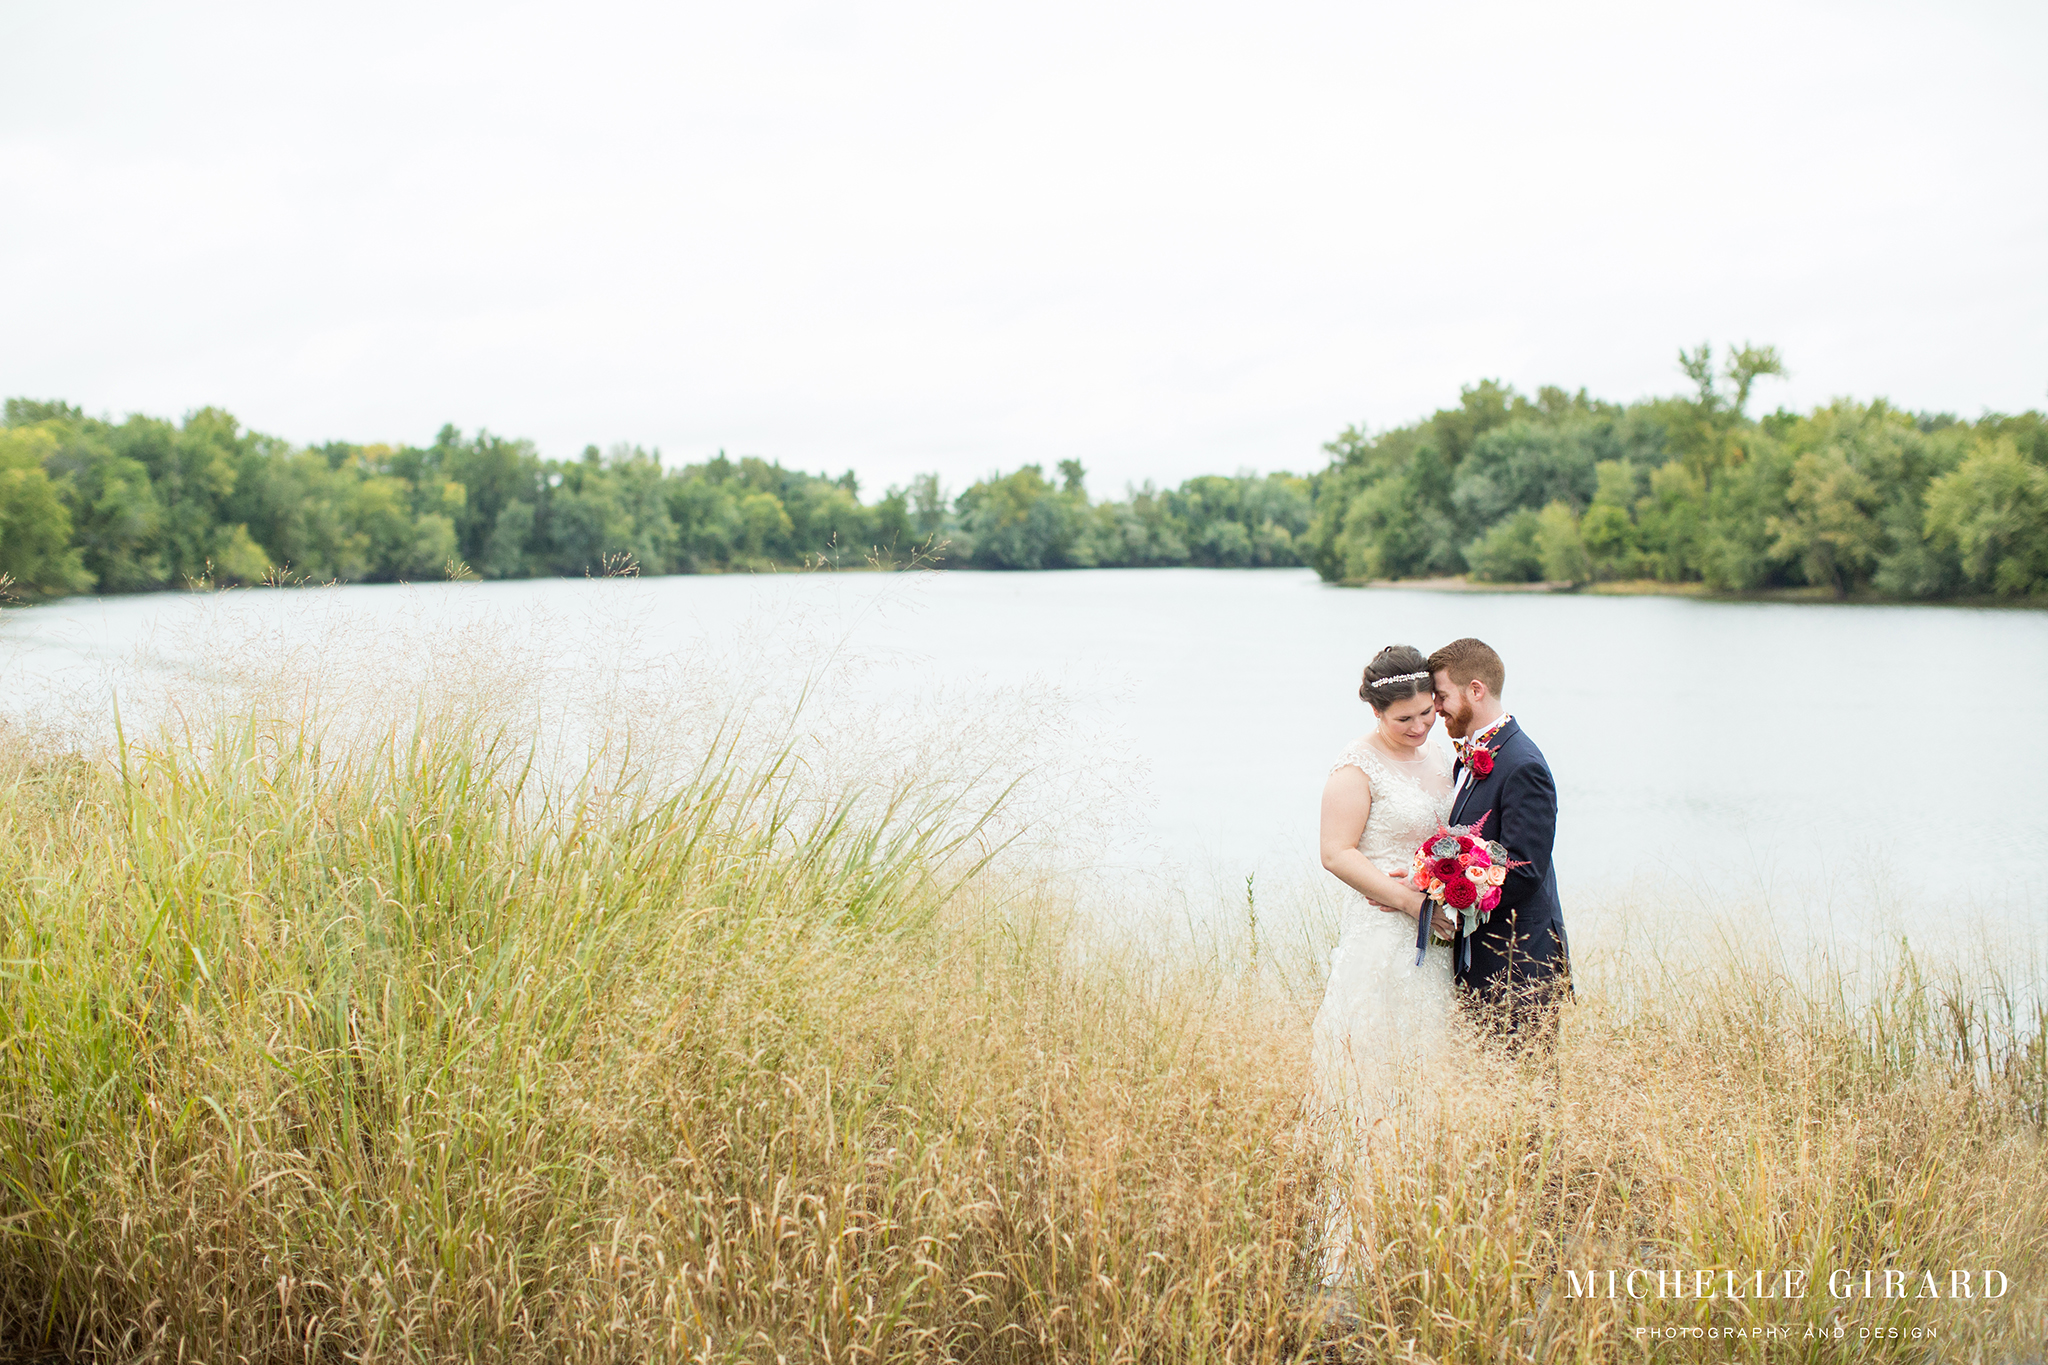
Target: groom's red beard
x,y
1458,718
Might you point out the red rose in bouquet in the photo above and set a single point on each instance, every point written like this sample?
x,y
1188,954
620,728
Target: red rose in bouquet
x,y
1462,871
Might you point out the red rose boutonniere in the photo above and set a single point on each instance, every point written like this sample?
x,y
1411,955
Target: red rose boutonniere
x,y
1480,760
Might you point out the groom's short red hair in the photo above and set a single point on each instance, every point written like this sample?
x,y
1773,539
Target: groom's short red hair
x,y
1467,659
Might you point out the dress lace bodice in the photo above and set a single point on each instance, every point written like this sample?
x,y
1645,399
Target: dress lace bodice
x,y
1404,810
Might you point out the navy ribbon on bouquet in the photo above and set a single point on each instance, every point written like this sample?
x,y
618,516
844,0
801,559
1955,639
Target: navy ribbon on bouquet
x,y
1464,936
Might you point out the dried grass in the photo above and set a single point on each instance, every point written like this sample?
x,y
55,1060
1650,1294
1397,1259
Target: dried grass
x,y
412,1053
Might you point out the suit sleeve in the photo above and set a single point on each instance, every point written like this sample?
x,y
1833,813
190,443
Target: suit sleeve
x,y
1528,826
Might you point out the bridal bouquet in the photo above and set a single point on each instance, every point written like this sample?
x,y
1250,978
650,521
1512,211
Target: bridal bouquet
x,y
1462,872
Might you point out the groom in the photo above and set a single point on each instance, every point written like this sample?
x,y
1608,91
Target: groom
x,y
1520,967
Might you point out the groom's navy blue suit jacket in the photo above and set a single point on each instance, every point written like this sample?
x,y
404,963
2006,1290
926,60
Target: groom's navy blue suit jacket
x,y
1520,955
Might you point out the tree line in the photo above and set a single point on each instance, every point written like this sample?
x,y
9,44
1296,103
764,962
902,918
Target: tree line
x,y
1852,498
90,505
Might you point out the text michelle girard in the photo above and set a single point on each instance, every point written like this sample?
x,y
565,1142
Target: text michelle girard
x,y
1867,1282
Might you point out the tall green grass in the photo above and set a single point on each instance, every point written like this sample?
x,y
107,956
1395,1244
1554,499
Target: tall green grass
x,y
415,1052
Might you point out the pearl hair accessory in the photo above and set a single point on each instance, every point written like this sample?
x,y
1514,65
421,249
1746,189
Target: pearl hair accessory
x,y
1397,678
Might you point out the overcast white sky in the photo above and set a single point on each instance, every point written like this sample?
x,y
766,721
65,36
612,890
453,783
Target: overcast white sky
x,y
1164,239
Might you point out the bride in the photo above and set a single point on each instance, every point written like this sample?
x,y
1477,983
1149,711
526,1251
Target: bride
x,y
1384,1021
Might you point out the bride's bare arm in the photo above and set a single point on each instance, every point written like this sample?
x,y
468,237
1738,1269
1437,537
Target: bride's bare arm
x,y
1347,802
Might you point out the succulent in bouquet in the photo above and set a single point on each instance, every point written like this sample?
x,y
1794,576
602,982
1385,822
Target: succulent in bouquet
x,y
1462,871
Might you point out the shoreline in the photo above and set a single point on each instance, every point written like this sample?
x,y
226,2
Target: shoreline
x,y
1812,597
1458,583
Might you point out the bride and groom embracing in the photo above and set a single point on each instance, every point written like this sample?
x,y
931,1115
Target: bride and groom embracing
x,y
1388,1021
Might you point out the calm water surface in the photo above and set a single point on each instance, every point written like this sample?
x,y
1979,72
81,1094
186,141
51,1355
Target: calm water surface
x,y
1813,754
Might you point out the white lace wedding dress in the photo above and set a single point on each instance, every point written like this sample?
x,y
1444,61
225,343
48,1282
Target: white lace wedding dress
x,y
1382,1036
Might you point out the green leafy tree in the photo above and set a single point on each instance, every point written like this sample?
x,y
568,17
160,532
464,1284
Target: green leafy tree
x,y
890,533
493,473
1560,546
707,520
929,505
1401,525
1706,437
1857,497
765,527
37,557
191,468
1508,552
28,412
1992,511
508,554
1671,524
831,524
1736,538
1018,521
1481,408
379,507
1608,525
117,520
1828,527
604,511
1524,464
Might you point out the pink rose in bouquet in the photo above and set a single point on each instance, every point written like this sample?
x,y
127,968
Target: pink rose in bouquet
x,y
1463,872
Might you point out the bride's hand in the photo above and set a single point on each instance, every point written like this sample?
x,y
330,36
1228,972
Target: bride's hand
x,y
1441,923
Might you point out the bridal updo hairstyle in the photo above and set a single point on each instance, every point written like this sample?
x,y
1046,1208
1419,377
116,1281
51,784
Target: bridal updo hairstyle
x,y
1392,662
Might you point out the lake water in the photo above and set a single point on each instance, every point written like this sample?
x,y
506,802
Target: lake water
x,y
1855,759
